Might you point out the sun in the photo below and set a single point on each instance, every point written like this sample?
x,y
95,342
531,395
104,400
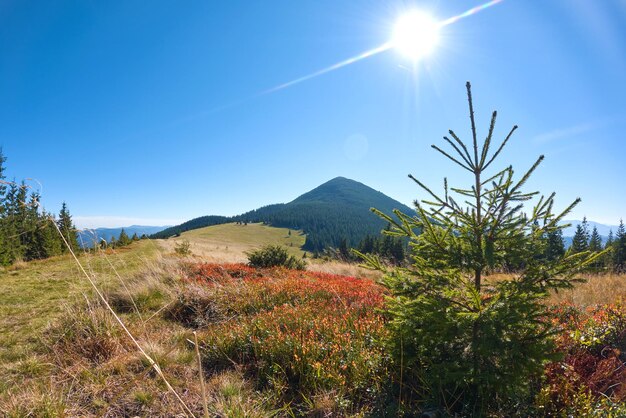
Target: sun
x,y
415,34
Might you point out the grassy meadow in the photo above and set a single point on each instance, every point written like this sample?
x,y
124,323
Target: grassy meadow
x,y
270,342
34,294
230,242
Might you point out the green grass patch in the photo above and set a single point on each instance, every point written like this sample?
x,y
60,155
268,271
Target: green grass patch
x,y
37,293
248,236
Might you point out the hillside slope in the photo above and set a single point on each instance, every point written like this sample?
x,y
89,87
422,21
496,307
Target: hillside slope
x,y
230,242
336,210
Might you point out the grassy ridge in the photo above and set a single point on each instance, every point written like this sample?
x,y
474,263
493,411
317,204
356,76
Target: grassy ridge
x,y
229,242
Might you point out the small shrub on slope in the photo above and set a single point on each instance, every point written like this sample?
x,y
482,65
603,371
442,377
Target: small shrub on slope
x,y
183,248
274,256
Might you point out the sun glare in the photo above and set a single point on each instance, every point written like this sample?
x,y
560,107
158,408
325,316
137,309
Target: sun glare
x,y
416,34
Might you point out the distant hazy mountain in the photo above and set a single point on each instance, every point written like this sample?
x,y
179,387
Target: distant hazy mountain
x,y
338,209
88,236
603,230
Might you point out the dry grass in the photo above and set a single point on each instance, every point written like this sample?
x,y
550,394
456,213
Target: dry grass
x,y
229,243
598,289
343,269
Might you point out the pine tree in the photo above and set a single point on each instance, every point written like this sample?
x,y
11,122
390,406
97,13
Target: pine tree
x,y
580,242
3,186
607,257
475,346
4,242
555,247
123,239
367,245
609,240
12,249
595,241
343,251
619,249
25,233
67,228
33,242
595,245
49,236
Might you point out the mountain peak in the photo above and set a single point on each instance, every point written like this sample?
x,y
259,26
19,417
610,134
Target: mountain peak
x,y
346,191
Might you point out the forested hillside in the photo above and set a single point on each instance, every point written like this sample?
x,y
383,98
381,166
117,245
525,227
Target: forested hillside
x,y
336,211
195,223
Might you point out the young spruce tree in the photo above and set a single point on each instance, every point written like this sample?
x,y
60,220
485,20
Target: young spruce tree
x,y
66,225
580,241
470,344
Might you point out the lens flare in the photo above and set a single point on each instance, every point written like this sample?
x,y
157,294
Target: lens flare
x,y
416,34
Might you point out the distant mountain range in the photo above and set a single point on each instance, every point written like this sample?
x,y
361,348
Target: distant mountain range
x,y
603,230
338,209
87,237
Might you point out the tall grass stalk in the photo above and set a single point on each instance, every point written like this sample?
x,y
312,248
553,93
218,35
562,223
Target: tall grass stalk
x,y
205,404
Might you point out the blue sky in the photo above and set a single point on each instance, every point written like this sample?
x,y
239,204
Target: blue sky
x,y
151,112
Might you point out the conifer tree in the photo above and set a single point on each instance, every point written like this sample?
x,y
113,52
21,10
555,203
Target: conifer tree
x,y
607,258
67,228
123,240
595,245
580,241
48,235
475,345
609,240
619,249
595,241
3,232
555,247
12,249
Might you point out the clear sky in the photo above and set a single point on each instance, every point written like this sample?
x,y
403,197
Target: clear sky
x,y
150,112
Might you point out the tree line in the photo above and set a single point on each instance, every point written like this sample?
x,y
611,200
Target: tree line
x,y
121,241
28,232
614,259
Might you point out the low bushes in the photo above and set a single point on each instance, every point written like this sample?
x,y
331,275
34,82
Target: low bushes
x,y
274,256
591,377
309,336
